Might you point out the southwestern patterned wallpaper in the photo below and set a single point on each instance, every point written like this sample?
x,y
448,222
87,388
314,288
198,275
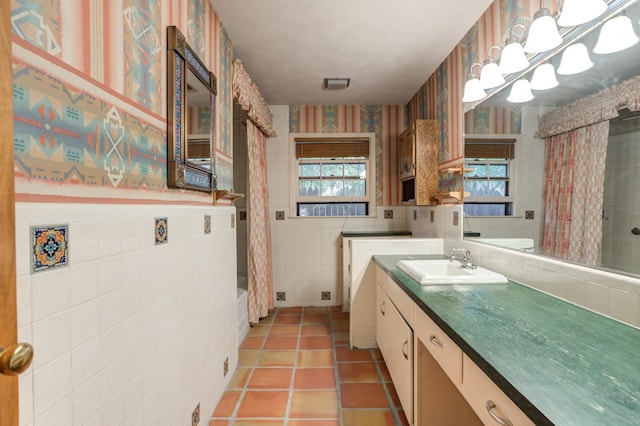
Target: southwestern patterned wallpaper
x,y
89,90
386,121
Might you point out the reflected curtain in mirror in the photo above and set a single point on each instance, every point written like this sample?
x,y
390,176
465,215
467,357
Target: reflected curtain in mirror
x,y
191,90
574,186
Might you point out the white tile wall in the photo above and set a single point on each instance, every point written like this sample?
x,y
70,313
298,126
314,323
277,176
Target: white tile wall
x,y
129,333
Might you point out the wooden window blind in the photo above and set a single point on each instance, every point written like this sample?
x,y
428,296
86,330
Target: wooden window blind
x,y
332,148
482,148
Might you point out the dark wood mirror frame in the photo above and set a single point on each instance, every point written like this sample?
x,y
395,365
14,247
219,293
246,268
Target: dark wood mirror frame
x,y
180,60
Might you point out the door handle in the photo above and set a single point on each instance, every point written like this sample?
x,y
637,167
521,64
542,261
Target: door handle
x,y
405,349
15,359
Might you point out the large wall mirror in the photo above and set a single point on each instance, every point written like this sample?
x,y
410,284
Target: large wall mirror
x,y
191,99
578,202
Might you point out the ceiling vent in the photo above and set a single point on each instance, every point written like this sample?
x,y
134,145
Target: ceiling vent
x,y
336,83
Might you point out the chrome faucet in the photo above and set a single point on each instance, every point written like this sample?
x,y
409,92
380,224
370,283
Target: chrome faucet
x,y
465,260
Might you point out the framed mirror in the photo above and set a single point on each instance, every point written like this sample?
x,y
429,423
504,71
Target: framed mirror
x,y
605,93
191,97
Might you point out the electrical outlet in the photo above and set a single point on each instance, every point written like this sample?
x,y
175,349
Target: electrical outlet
x,y
195,416
432,216
281,295
233,220
456,218
326,295
415,215
225,366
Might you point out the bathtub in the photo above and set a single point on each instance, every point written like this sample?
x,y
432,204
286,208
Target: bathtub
x,y
242,309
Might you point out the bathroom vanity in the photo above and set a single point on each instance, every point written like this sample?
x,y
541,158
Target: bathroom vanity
x,y
500,354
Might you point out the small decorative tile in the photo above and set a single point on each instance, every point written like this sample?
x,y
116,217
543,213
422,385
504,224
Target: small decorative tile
x,y
207,224
281,295
280,215
162,230
529,214
242,215
326,295
388,214
50,247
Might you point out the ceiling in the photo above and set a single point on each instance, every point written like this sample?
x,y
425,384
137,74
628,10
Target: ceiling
x,y
388,48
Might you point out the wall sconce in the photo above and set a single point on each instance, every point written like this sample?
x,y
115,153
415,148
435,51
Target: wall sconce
x,y
576,12
615,35
490,75
513,58
543,32
575,59
544,77
473,90
520,91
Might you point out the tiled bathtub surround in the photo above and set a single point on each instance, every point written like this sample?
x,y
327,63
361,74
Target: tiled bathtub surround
x,y
129,333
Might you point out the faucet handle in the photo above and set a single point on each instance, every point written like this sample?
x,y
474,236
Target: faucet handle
x,y
465,251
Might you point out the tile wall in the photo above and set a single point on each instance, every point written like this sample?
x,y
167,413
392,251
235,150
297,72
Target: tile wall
x,y
128,332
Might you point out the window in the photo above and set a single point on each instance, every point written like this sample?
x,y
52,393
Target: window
x,y
489,179
333,176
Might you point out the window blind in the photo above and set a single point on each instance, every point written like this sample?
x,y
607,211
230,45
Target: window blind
x,y
484,148
332,148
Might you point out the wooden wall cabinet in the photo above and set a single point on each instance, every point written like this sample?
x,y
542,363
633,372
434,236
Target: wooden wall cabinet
x,y
418,152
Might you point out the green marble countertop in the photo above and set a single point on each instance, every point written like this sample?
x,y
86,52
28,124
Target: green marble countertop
x,y
355,234
561,364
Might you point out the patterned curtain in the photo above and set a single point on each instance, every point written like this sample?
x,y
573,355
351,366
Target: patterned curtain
x,y
260,281
574,186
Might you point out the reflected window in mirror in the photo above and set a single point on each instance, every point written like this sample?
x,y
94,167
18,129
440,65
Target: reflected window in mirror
x,y
191,96
489,177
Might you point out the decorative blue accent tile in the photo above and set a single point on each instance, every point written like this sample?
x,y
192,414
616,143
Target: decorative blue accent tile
x,y
207,224
49,247
162,230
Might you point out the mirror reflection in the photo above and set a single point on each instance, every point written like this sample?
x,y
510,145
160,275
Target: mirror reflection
x,y
198,122
559,174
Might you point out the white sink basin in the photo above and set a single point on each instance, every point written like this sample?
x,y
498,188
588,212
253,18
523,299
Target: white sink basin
x,y
428,272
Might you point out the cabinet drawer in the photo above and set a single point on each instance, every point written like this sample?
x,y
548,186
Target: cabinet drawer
x,y
401,300
480,391
443,349
381,278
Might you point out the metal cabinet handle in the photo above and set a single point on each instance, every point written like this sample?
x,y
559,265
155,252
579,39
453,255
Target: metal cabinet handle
x,y
15,359
434,340
405,349
382,310
502,422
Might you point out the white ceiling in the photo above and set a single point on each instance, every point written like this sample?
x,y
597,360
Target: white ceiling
x,y
387,47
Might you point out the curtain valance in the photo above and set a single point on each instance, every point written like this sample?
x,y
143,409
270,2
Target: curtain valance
x,y
600,106
248,96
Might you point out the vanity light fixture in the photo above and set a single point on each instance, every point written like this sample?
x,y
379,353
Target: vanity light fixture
x,y
544,77
513,58
473,90
520,91
576,12
543,32
490,75
615,35
575,59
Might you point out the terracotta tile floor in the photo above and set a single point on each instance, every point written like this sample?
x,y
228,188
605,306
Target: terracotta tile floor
x,y
295,369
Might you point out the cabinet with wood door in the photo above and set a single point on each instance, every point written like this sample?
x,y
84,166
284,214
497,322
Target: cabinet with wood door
x,y
418,150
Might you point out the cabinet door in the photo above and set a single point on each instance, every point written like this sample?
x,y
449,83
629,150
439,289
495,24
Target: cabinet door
x,y
399,350
381,301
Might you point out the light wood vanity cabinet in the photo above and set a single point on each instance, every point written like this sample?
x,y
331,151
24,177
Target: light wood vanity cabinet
x,y
395,339
437,383
418,151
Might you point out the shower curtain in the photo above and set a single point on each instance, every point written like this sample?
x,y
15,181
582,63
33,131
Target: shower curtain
x,y
573,195
260,280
